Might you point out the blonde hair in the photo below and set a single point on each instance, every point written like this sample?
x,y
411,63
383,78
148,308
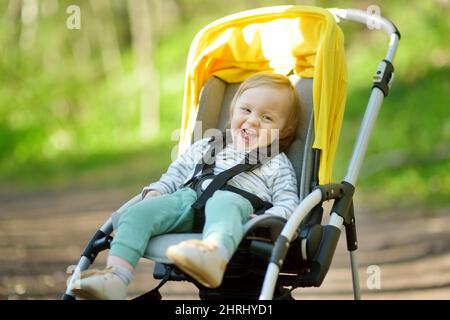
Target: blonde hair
x,y
288,132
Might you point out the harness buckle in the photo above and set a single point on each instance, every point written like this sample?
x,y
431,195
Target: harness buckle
x,y
201,183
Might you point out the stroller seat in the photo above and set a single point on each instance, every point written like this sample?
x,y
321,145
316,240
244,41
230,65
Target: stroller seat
x,y
214,103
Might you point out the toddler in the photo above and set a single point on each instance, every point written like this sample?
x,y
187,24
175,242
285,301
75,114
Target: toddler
x,y
264,110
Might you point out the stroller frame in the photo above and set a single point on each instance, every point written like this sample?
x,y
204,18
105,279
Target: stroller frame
x,y
342,213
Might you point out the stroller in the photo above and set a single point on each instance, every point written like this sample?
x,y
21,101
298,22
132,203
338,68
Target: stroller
x,y
306,44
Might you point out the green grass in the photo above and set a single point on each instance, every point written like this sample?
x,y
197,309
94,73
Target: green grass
x,y
131,169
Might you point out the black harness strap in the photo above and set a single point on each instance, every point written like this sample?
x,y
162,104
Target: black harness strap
x,y
220,180
206,165
258,204
207,162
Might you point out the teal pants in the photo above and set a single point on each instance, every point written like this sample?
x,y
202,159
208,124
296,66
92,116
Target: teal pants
x,y
225,214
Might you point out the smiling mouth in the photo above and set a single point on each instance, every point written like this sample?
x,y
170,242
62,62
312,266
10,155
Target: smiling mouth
x,y
247,134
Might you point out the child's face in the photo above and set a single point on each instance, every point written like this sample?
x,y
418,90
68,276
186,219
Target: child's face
x,y
257,114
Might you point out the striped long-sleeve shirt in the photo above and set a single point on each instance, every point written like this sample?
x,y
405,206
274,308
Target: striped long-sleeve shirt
x,y
274,181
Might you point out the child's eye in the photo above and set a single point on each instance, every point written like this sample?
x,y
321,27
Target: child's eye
x,y
245,109
267,118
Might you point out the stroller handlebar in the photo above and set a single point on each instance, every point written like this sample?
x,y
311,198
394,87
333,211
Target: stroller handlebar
x,y
371,18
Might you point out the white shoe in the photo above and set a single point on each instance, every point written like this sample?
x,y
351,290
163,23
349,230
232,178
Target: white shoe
x,y
99,285
200,260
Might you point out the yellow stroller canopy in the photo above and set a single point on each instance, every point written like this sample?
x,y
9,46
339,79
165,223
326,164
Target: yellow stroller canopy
x,y
282,39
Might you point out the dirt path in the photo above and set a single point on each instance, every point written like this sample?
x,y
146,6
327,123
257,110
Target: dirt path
x,y
42,234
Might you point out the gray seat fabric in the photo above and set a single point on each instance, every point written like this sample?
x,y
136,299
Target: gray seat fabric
x,y
213,112
156,249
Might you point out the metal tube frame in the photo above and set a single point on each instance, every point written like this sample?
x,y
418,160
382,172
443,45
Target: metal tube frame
x,y
358,154
84,263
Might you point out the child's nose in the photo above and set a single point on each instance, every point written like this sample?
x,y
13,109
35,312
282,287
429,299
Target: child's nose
x,y
253,120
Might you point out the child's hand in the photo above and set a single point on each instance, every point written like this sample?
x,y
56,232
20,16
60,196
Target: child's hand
x,y
252,216
152,193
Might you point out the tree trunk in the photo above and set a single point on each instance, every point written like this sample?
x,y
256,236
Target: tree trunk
x,y
143,23
107,36
29,17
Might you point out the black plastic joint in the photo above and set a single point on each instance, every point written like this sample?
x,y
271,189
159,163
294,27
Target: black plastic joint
x,y
102,244
280,250
383,76
350,234
66,296
90,252
342,206
331,191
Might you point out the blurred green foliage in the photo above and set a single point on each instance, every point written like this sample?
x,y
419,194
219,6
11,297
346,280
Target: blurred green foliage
x,y
70,108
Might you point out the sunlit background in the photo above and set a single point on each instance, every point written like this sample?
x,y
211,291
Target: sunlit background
x,y
87,113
